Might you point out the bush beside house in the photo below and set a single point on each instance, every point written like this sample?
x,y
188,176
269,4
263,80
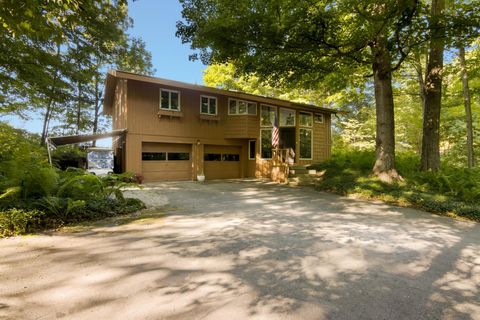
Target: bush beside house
x,y
452,190
35,196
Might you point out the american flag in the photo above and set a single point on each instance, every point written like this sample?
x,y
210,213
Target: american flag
x,y
275,133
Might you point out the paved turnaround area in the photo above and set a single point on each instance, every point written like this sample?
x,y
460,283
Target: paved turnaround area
x,y
249,250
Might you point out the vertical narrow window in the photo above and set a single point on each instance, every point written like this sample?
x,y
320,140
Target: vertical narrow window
x,y
318,118
212,106
165,97
267,115
305,143
232,106
266,143
208,105
287,117
252,144
169,99
174,100
305,119
252,108
242,107
204,105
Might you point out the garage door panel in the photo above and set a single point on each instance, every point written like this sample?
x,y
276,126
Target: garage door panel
x,y
166,147
163,166
216,164
167,169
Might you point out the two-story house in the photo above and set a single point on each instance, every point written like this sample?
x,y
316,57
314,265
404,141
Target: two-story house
x,y
176,130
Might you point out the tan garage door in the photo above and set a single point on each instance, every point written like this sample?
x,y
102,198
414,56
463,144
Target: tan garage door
x,y
166,161
222,162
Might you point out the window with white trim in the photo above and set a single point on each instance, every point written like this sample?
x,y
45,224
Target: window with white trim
x,y
169,99
208,105
318,118
306,143
267,115
252,145
305,119
287,117
266,143
241,107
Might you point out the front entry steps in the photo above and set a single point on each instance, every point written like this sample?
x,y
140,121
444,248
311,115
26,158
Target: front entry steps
x,y
304,176
294,170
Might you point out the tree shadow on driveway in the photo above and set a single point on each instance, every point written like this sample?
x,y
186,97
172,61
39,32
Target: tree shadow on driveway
x,y
250,250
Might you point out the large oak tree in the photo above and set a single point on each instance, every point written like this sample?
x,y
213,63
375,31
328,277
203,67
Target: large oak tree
x,y
298,43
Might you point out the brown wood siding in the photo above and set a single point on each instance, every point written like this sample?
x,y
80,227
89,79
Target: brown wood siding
x,y
167,169
144,100
144,126
119,116
321,140
242,126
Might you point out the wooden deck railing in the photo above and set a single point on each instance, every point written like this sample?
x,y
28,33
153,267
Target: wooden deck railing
x,y
283,159
284,156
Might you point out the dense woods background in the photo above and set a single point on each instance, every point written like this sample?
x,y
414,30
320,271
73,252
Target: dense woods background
x,y
380,60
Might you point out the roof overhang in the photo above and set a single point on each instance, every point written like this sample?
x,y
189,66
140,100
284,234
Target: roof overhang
x,y
109,94
79,138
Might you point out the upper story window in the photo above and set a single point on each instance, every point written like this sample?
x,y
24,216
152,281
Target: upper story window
x,y
287,117
208,105
305,119
319,118
169,99
241,107
267,115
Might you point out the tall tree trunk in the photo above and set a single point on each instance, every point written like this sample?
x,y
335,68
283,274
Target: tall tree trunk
x,y
79,108
46,121
417,65
97,107
384,166
433,91
50,104
468,108
421,82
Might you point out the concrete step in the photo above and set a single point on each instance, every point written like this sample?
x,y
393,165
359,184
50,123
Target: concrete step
x,y
302,170
303,180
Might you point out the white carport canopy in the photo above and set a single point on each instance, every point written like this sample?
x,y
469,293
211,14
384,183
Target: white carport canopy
x,y
53,142
64,140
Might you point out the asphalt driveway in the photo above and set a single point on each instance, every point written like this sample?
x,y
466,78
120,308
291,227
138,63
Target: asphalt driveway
x,y
249,250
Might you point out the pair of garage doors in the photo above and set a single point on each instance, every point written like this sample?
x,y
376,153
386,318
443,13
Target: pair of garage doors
x,y
174,161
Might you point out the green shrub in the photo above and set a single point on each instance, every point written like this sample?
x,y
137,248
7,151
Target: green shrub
x,y
81,187
356,160
39,182
68,156
35,195
450,190
407,164
19,221
132,205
